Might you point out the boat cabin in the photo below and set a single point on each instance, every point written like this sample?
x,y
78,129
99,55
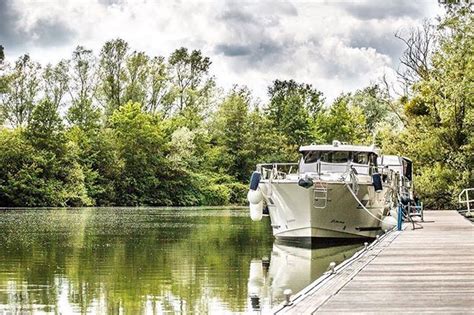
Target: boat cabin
x,y
337,158
400,164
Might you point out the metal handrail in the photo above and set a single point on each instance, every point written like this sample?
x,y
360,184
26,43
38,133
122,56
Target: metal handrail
x,y
272,170
467,201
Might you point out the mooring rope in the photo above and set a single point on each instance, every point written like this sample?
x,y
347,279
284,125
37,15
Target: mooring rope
x,y
360,203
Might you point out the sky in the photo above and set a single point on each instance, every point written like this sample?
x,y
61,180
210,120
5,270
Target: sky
x,y
338,46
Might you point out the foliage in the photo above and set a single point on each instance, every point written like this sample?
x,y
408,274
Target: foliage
x,y
292,109
21,92
343,122
439,133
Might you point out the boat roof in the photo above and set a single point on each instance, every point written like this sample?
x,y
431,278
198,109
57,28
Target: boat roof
x,y
338,146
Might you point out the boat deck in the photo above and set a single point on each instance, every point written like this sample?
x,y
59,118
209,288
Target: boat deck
x,y
428,270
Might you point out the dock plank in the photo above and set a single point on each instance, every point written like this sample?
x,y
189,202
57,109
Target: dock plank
x,y
429,270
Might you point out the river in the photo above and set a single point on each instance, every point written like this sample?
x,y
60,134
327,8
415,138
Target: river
x,y
148,260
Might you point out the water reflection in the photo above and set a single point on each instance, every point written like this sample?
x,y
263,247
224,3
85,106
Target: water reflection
x,y
143,260
289,268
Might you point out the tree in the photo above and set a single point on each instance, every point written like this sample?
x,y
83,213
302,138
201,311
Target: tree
x,y
46,129
82,90
192,86
439,135
22,89
293,109
137,68
56,82
113,57
231,135
415,60
161,95
140,144
343,122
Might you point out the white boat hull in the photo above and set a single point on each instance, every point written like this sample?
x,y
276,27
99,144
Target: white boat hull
x,y
298,215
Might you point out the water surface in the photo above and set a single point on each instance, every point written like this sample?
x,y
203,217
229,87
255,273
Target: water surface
x,y
148,260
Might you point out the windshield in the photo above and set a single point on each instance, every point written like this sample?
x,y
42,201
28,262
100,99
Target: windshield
x,y
339,157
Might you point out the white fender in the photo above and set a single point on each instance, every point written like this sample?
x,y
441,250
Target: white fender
x,y
254,196
388,223
394,213
256,211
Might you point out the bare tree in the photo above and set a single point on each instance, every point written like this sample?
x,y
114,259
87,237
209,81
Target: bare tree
x,y
415,60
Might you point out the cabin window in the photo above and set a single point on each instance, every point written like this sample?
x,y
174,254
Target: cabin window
x,y
407,169
361,158
335,157
311,157
340,157
373,159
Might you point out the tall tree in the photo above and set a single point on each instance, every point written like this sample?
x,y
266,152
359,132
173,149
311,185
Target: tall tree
x,y
342,121
189,76
113,58
140,143
137,69
22,90
56,82
161,95
231,134
293,109
82,90
440,111
46,129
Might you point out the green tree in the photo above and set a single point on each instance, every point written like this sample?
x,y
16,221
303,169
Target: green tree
x,y
113,58
22,89
439,135
137,69
231,135
82,90
140,143
342,122
56,82
192,86
293,109
161,95
46,129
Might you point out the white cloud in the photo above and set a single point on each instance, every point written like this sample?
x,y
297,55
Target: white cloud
x,y
336,46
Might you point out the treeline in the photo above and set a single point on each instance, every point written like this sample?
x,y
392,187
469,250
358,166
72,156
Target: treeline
x,y
126,128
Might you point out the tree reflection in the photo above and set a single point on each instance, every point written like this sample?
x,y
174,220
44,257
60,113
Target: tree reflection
x,y
133,260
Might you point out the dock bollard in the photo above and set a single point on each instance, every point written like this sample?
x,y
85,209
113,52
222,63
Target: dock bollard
x,y
366,245
287,293
332,265
255,301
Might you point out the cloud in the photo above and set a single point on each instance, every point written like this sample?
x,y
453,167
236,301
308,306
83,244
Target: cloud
x,y
366,10
9,35
19,32
336,46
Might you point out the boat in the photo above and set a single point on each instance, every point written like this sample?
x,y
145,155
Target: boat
x,y
337,192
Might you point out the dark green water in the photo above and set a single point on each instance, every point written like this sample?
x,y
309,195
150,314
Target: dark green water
x,y
147,260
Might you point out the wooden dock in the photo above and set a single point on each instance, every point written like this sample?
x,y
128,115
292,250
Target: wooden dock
x,y
428,270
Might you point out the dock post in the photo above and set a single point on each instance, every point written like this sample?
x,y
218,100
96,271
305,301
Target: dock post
x,y
400,217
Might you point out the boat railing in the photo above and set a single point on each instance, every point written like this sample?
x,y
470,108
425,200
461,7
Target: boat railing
x,y
277,170
464,197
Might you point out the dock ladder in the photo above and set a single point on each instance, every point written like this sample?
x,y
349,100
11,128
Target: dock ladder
x,y
320,194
